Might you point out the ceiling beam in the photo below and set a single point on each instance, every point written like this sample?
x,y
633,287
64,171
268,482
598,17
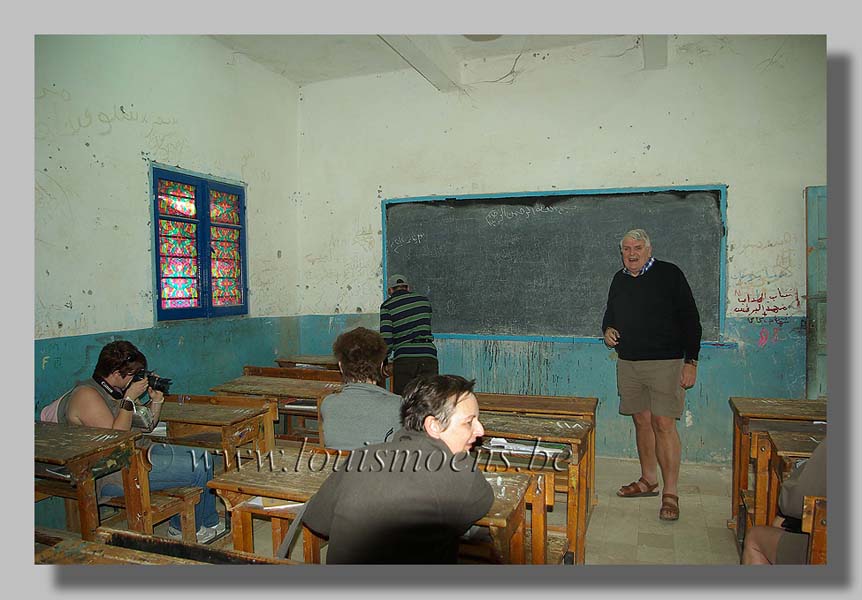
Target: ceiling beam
x,y
429,58
655,51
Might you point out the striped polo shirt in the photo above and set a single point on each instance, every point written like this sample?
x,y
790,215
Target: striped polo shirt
x,y
405,324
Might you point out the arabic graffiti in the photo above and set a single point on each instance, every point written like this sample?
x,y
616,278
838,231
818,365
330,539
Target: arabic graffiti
x,y
102,122
764,304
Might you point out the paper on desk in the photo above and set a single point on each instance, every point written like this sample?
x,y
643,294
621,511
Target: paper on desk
x,y
498,443
267,503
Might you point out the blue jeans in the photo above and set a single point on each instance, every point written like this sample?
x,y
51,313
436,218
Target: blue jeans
x,y
173,466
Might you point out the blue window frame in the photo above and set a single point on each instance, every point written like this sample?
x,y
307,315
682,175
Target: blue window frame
x,y
200,246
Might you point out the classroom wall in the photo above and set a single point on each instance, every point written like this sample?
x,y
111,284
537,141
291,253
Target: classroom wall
x,y
745,111
105,107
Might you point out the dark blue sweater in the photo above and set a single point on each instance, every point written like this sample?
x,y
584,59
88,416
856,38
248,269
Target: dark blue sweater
x,y
655,314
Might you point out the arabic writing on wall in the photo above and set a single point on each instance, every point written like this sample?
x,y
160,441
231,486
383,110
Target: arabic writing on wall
x,y
764,303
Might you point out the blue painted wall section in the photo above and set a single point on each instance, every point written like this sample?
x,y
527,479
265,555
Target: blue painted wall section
x,y
762,357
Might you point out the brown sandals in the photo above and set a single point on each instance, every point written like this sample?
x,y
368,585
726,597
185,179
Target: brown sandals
x,y
633,490
669,507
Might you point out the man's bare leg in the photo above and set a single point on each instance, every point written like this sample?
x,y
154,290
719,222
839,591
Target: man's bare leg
x,y
667,450
646,443
761,545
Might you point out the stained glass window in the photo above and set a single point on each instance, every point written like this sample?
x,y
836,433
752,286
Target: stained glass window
x,y
198,244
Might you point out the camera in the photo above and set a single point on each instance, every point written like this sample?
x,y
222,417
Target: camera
x,y
160,384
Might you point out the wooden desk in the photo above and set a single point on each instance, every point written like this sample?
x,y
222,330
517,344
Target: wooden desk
x,y
572,433
88,453
745,412
292,480
313,374
295,397
785,449
326,361
209,426
560,407
114,546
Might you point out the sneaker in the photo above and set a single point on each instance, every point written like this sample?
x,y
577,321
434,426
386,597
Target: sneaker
x,y
203,535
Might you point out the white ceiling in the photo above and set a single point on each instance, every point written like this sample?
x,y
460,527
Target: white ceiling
x,y
311,58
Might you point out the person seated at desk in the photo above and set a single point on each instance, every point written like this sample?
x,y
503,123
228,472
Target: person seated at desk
x,y
377,509
784,543
363,412
109,400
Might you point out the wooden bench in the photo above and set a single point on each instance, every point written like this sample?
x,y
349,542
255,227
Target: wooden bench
x,y
162,505
814,524
294,373
113,546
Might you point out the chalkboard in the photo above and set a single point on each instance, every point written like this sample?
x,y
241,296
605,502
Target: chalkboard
x,y
541,264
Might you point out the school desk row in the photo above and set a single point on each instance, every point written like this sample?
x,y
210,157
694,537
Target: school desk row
x,y
83,454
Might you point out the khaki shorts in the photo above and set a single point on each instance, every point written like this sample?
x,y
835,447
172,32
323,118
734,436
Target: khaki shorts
x,y
651,385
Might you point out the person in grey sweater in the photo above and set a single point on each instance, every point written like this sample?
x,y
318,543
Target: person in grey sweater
x,y
783,542
408,500
363,412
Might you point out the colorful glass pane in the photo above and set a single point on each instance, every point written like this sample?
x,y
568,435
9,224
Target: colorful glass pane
x,y
225,268
226,292
222,250
171,228
225,234
178,267
177,199
171,246
175,188
179,287
224,207
188,303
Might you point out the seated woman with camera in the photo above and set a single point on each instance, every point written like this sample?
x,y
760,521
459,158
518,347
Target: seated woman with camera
x,y
110,400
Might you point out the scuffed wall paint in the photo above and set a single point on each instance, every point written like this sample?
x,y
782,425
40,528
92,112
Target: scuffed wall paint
x,y
196,354
741,367
101,117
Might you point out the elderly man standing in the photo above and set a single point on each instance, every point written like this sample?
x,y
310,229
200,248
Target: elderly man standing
x,y
652,321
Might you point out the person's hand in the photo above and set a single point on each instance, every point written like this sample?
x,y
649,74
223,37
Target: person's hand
x,y
612,337
136,389
156,397
688,376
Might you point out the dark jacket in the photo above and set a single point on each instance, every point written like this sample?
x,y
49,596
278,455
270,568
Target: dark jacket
x,y
405,501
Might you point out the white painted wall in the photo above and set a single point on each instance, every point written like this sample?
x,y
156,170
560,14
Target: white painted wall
x,y
107,105
746,111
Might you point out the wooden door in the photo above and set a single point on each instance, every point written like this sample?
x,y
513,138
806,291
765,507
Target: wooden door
x,y
816,237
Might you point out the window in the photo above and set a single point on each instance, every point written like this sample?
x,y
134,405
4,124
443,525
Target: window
x,y
200,247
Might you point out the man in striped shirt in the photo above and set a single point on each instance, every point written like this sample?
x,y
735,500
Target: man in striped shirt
x,y
405,324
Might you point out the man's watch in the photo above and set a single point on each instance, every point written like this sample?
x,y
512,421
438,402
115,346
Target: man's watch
x,y
128,404
690,361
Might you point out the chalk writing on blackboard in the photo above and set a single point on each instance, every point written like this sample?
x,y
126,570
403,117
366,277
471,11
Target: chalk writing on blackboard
x,y
404,239
505,213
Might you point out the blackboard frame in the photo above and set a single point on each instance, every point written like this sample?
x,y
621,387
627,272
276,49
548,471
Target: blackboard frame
x,y
721,189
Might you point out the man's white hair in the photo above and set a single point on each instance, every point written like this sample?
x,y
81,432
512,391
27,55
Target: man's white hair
x,y
636,234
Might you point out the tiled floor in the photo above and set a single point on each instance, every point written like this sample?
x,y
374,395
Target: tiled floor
x,y
628,530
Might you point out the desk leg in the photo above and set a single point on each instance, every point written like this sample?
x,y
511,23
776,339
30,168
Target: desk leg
x,y
538,518
136,489
310,546
591,464
735,493
516,543
576,509
88,509
241,530
761,450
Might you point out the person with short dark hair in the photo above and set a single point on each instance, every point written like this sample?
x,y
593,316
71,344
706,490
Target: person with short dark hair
x,y
408,500
109,399
362,412
405,324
